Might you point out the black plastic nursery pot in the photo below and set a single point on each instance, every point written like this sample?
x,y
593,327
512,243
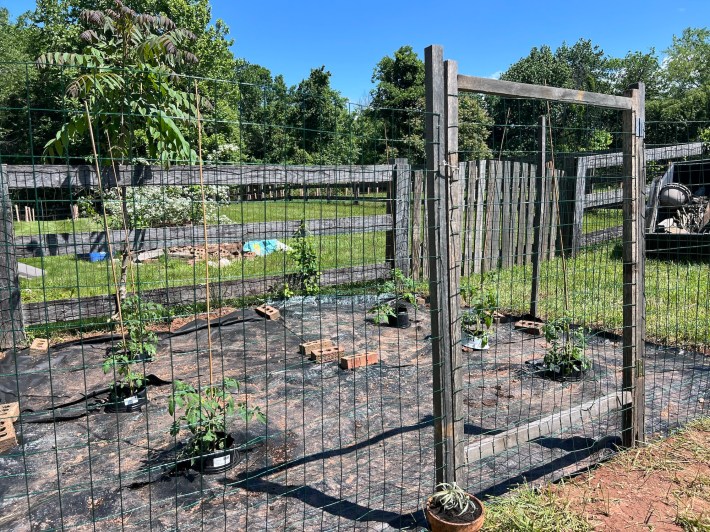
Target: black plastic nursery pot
x,y
400,319
210,463
121,400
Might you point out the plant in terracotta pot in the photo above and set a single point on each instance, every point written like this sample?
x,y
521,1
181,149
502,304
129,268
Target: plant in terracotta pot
x,y
565,358
477,320
205,413
450,509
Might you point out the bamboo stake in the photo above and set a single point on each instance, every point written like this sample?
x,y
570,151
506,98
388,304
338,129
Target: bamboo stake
x,y
105,219
204,227
555,191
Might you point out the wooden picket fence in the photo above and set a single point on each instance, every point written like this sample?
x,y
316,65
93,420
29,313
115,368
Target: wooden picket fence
x,y
505,204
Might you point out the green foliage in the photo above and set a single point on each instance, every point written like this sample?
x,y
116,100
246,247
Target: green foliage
x,y
452,499
382,312
120,361
404,288
206,412
138,344
155,206
303,252
566,352
126,74
477,320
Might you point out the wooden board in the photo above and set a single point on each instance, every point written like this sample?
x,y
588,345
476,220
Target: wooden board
x,y
164,237
478,236
553,424
417,185
676,151
540,92
84,176
101,306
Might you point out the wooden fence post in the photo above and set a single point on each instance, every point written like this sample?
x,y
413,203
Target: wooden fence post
x,y
539,217
634,324
417,185
11,324
397,239
444,195
403,191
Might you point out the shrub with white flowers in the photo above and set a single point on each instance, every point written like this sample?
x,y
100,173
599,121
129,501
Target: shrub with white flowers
x,y
154,206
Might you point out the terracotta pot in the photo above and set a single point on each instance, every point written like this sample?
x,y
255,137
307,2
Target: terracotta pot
x,y
438,524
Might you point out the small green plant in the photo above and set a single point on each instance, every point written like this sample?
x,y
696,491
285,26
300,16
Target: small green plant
x,y
477,320
304,254
404,288
205,414
140,342
382,312
566,352
452,499
120,362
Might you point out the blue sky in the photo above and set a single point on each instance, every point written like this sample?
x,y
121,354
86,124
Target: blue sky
x,y
485,38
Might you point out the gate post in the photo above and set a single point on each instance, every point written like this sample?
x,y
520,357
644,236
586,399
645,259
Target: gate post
x,y
634,325
11,325
444,202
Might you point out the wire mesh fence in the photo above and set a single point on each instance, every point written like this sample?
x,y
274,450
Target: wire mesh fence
x,y
239,327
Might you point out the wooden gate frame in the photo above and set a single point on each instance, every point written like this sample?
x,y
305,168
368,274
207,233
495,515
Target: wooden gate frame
x,y
444,206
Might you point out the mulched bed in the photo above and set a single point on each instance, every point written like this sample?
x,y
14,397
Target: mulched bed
x,y
341,448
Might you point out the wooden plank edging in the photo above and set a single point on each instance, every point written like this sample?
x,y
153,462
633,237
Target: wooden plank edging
x,y
552,424
100,306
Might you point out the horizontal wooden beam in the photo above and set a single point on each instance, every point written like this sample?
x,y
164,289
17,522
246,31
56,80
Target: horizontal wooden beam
x,y
677,151
101,306
164,237
84,176
540,92
552,424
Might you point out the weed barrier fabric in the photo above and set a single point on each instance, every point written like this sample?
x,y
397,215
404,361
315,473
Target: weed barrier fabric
x,y
340,448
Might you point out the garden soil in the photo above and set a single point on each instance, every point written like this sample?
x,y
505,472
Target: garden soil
x,y
340,448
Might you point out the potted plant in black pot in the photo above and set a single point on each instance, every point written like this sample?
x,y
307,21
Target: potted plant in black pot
x,y
138,345
451,509
395,312
128,391
205,413
477,320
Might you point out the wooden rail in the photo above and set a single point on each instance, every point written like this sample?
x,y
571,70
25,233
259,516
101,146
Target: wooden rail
x,y
100,306
578,416
84,176
164,237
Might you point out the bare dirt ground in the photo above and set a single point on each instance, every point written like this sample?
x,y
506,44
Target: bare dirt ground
x,y
662,487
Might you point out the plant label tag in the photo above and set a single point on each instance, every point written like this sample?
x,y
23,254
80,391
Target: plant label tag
x,y
222,460
130,401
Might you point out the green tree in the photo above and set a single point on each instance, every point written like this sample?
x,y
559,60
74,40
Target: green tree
x,y
397,106
320,121
126,75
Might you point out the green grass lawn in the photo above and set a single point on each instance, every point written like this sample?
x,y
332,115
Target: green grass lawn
x,y
678,294
598,219
67,277
242,212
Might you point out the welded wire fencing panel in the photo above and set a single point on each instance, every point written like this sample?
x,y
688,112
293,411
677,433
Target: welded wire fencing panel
x,y
677,276
268,365
541,314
